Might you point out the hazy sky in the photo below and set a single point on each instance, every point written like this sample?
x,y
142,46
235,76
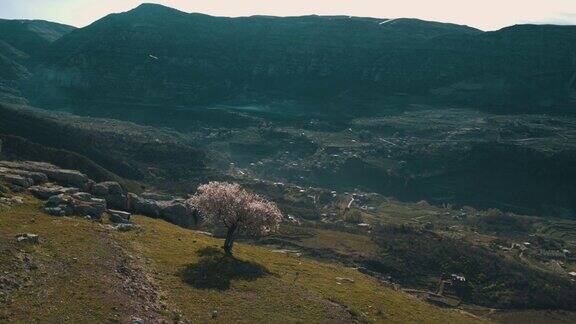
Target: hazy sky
x,y
483,14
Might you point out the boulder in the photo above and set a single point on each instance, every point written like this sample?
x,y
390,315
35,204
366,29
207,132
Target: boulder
x,y
180,213
125,227
62,176
36,177
82,196
143,206
70,177
28,238
58,211
93,208
120,217
15,181
18,200
113,193
176,211
344,279
59,205
61,199
81,204
46,191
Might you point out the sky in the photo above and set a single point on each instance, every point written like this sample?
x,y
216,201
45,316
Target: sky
x,y
482,14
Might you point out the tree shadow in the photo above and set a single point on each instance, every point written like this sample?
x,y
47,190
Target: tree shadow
x,y
216,270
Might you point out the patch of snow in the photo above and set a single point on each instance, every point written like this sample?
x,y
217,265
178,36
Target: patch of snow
x,y
387,21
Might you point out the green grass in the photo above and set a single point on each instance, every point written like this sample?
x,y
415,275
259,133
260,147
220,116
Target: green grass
x,y
73,282
340,242
287,289
559,229
77,278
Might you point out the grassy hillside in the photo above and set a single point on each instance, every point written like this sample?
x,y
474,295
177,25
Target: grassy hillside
x,y
125,149
84,271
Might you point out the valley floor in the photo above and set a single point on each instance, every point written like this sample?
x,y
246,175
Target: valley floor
x,y
85,271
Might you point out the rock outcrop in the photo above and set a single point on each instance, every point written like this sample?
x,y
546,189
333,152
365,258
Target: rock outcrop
x,y
139,205
16,182
70,192
28,238
176,211
179,212
119,217
113,193
48,190
36,177
53,173
81,204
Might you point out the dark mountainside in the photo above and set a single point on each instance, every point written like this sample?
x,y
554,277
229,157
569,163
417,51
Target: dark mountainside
x,y
20,39
157,55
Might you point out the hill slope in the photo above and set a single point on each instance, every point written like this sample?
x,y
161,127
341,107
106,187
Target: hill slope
x,y
126,149
19,39
179,58
157,55
31,36
84,271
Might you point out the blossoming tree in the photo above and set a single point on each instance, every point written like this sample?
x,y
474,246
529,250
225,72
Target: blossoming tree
x,y
228,205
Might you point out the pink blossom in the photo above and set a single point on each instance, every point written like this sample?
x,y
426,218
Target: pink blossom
x,y
227,204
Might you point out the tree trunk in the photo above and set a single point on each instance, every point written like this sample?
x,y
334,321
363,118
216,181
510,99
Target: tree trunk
x,y
229,242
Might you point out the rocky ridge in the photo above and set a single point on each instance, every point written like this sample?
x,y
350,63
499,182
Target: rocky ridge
x,y
70,192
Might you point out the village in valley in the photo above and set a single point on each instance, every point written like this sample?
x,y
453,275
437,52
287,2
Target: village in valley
x,y
308,169
360,217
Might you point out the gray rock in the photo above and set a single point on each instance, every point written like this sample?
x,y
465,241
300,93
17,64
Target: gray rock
x,y
52,172
143,206
117,216
61,199
123,214
82,196
18,200
37,177
125,227
28,238
93,208
176,211
81,204
58,211
180,213
113,193
70,177
16,180
48,190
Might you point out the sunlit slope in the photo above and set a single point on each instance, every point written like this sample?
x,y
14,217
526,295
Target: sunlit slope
x,y
86,271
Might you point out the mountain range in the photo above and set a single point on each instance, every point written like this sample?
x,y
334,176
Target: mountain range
x,y
19,41
154,55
